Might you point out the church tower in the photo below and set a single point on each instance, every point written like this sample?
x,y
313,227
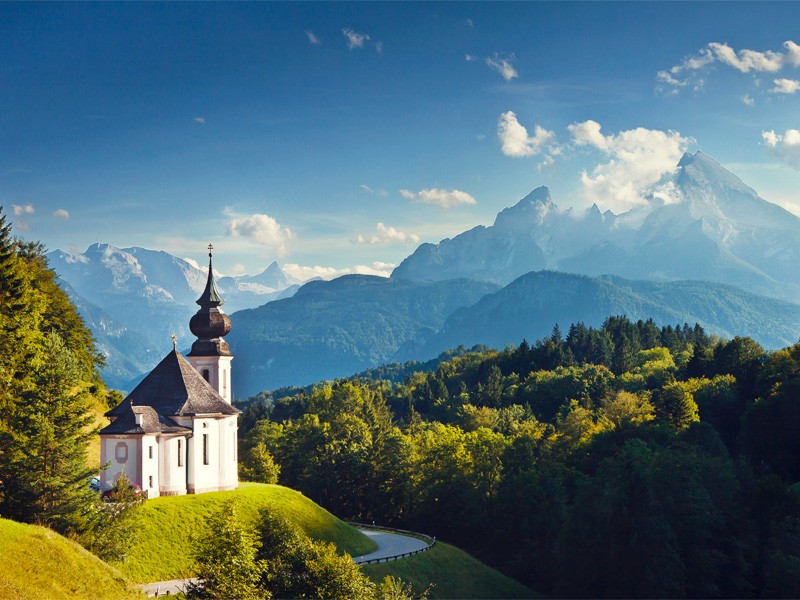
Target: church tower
x,y
210,354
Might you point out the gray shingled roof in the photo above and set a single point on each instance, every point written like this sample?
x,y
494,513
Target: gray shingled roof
x,y
175,388
152,422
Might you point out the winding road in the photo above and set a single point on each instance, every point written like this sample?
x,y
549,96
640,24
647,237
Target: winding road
x,y
389,545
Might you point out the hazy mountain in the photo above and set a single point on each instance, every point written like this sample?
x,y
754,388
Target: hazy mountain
x,y
134,299
335,328
701,222
532,304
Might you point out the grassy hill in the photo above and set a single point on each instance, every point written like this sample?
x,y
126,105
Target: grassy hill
x,y
163,547
39,564
453,573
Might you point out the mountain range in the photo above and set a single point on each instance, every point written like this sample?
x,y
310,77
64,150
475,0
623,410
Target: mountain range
x,y
703,247
702,222
135,299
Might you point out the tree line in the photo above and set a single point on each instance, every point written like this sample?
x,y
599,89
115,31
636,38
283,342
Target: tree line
x,y
626,460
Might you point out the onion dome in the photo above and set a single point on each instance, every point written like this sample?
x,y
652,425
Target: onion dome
x,y
209,323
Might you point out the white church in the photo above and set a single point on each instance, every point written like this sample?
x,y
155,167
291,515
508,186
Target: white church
x,y
176,432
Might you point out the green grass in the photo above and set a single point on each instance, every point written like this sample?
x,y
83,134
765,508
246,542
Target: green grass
x,y
454,574
38,564
168,526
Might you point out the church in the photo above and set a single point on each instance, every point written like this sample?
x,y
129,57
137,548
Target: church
x,y
176,432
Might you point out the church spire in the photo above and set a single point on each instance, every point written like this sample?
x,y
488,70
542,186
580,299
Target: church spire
x,y
209,323
210,296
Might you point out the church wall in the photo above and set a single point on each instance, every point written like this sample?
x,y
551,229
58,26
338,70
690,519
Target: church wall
x,y
228,465
172,465
219,373
204,459
150,466
123,452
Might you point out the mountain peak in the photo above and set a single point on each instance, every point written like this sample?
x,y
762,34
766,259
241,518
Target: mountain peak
x,y
532,209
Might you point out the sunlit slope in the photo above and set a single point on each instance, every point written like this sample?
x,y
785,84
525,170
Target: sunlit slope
x,y
39,564
169,525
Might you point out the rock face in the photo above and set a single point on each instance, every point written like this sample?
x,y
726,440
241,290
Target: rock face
x,y
701,222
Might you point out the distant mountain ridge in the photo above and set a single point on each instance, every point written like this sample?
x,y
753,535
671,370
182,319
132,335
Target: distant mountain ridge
x,y
134,299
702,222
531,305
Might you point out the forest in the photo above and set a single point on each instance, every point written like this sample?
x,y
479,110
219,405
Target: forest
x,y
630,460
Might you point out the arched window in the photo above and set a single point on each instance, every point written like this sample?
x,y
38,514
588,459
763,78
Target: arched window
x,y
206,375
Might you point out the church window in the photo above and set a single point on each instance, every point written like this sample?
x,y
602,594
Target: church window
x,y
224,382
150,453
180,453
206,375
151,481
205,448
121,452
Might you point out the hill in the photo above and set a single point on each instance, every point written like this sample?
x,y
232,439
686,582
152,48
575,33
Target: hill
x,y
162,549
453,573
39,564
335,328
533,303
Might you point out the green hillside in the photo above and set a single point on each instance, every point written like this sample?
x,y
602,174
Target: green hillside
x,y
453,573
162,550
39,564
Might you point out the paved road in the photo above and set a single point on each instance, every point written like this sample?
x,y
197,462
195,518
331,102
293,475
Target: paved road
x,y
389,544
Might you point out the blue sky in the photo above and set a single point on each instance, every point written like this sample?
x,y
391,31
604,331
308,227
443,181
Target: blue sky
x,y
335,137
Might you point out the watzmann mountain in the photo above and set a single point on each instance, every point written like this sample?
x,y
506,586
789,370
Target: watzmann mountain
x,y
702,222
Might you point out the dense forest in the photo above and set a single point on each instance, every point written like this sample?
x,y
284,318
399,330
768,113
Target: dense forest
x,y
626,461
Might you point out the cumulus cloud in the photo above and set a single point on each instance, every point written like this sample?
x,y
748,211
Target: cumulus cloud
x,y
502,65
354,38
313,38
387,235
746,99
22,209
637,159
515,139
744,61
261,229
443,198
785,146
785,86
61,214
200,120
305,272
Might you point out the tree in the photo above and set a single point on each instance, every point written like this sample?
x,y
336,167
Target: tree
x,y
257,464
226,559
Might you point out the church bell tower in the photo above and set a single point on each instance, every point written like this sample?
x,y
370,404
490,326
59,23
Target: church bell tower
x,y
210,353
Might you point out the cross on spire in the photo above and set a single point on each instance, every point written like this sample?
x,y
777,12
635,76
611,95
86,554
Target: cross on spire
x,y
210,248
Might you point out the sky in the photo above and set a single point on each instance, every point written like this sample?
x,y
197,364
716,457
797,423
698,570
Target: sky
x,y
337,137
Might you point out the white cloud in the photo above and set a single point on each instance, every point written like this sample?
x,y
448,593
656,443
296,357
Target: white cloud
x,y
443,198
744,61
502,66
354,38
304,272
21,226
61,214
261,229
786,146
378,192
200,120
747,60
638,158
387,235
746,99
313,38
471,57
785,86
379,47
237,269
515,139
470,23
22,209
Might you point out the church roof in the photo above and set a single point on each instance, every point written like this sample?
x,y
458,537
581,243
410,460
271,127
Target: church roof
x,y
174,388
151,422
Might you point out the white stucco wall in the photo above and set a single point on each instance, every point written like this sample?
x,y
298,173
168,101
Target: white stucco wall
x,y
173,468
219,373
150,466
132,463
